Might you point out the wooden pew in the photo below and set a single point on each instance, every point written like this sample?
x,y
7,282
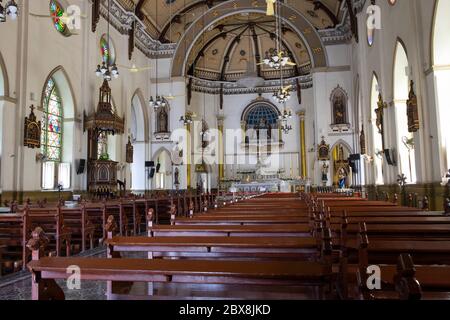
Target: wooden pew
x,y
280,273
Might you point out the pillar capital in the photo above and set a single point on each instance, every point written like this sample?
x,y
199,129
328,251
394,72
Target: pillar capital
x,y
301,114
220,119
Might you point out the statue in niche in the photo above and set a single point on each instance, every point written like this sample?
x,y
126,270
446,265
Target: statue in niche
x,y
163,121
177,177
339,106
339,111
412,110
380,114
342,176
325,168
263,126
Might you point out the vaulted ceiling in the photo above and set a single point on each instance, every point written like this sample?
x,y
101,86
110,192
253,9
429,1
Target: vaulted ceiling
x,y
227,49
167,20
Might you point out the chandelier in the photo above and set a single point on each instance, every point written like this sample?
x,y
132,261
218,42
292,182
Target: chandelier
x,y
107,71
282,95
286,128
11,11
157,102
277,60
186,119
285,115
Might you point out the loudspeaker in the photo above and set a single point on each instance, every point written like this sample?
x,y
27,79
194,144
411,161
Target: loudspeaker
x,y
390,157
352,161
81,166
158,166
152,173
149,164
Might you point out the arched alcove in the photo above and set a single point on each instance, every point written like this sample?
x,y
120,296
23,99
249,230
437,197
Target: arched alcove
x,y
163,174
405,139
138,133
377,140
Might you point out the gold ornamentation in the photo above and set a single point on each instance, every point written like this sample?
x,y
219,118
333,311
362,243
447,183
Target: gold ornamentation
x,y
32,134
412,110
324,150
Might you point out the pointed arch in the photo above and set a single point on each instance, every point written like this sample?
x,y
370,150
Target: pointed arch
x,y
58,106
441,66
405,139
377,143
4,79
138,104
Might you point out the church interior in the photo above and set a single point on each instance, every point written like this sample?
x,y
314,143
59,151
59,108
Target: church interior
x,y
224,149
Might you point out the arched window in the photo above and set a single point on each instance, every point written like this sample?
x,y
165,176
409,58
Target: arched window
x,y
441,67
259,113
377,138
405,139
54,173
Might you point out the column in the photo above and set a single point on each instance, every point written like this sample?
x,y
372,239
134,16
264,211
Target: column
x,y
303,168
220,127
188,152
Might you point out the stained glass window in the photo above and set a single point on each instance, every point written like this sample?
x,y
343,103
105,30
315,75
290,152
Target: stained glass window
x,y
262,112
107,50
57,12
52,123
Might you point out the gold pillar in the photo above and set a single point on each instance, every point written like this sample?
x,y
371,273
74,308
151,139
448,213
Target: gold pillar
x,y
220,127
303,168
188,152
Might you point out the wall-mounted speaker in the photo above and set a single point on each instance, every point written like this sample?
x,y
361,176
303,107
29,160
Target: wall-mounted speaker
x,y
158,166
81,166
149,164
390,157
353,160
152,173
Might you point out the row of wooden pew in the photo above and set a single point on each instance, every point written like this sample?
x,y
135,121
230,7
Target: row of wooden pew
x,y
76,228
377,243
317,246
244,247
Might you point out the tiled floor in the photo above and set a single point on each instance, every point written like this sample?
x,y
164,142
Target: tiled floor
x,y
18,286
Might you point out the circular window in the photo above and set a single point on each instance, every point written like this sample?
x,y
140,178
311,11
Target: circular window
x,y
57,14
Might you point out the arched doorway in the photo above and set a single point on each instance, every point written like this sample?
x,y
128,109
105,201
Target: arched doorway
x,y
162,179
405,139
341,167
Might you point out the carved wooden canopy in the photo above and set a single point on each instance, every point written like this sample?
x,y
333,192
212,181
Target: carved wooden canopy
x,y
105,119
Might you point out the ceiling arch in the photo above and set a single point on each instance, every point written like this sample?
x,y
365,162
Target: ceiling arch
x,y
290,17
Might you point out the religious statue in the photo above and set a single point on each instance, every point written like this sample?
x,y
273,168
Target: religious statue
x,y
177,176
339,111
325,168
380,114
162,121
324,150
362,141
412,110
342,177
262,126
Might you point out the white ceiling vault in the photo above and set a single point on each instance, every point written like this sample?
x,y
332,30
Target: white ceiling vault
x,y
209,43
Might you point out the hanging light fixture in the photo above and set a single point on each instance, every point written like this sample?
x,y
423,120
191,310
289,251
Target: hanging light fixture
x,y
106,70
276,59
158,101
11,10
186,119
285,115
282,95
